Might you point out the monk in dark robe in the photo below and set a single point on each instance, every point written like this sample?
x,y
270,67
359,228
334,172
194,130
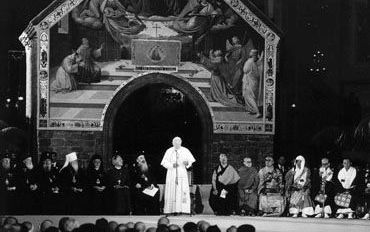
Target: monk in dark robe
x,y
29,187
49,185
9,186
143,178
247,186
96,185
223,198
73,183
118,186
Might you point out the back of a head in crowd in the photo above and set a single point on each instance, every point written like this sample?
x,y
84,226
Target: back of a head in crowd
x,y
246,228
232,229
130,225
28,225
139,227
10,221
121,228
69,225
101,225
174,228
213,229
151,229
203,226
61,223
87,227
52,229
162,228
45,225
163,221
190,227
112,226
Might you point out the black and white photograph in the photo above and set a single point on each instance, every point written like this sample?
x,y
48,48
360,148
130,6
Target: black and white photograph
x,y
184,115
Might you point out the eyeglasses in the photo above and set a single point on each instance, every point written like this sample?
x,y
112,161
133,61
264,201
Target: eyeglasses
x,y
324,164
268,160
248,161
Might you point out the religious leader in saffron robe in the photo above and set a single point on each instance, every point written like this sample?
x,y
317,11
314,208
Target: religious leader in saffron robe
x,y
177,160
223,197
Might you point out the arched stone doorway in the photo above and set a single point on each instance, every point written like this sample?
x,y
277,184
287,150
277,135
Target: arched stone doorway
x,y
129,120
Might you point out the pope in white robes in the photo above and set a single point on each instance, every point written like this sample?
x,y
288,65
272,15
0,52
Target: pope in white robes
x,y
177,160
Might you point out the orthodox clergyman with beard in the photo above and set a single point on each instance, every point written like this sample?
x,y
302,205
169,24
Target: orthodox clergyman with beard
x,y
73,183
49,185
143,179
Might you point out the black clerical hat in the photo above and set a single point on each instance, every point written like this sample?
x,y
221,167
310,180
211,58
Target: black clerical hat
x,y
25,156
6,155
47,155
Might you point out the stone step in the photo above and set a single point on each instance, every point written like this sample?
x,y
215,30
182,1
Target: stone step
x,y
77,113
126,77
67,113
114,84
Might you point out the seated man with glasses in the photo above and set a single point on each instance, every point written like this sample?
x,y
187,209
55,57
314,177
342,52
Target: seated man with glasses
x,y
270,189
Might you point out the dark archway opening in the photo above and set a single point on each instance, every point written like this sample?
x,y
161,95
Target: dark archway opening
x,y
149,118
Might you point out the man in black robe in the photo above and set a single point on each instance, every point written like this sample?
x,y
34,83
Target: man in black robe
x,y
143,178
49,185
9,186
118,187
29,186
96,185
73,183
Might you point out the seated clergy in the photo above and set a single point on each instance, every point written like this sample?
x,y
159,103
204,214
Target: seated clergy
x,y
49,185
346,190
9,186
118,187
247,188
96,185
143,179
326,190
73,181
298,189
270,189
223,197
29,186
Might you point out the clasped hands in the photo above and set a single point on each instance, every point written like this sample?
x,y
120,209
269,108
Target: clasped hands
x,y
77,190
185,163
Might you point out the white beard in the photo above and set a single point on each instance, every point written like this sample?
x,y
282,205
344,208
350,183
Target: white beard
x,y
143,167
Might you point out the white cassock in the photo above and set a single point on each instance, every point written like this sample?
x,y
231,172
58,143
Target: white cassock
x,y
177,194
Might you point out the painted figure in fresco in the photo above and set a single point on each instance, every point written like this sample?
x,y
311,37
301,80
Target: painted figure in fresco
x,y
118,22
88,14
195,17
298,189
221,91
65,77
270,189
236,55
252,84
88,70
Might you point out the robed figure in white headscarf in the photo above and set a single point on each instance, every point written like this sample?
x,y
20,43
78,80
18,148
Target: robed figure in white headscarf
x,y
298,189
177,160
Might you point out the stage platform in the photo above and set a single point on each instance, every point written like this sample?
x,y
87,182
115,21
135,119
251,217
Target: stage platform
x,y
262,224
